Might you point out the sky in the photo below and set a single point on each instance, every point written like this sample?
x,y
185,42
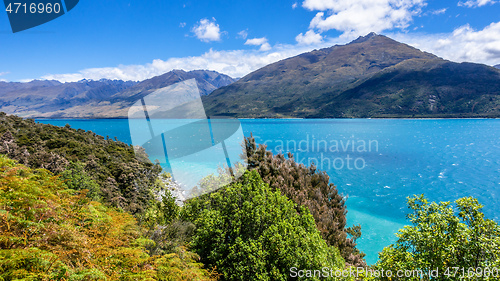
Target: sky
x,y
136,40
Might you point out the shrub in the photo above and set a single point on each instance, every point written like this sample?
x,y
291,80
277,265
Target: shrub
x,y
249,232
50,232
444,237
308,187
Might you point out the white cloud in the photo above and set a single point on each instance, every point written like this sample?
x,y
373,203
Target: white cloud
x,y
476,3
207,30
309,38
262,42
294,5
182,24
3,73
438,12
243,34
464,44
265,47
235,63
256,41
360,17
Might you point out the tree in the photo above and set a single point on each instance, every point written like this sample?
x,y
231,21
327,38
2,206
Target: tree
x,y
247,231
309,187
443,237
75,177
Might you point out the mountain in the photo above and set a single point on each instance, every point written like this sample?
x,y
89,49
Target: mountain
x,y
497,66
43,97
373,76
207,82
94,99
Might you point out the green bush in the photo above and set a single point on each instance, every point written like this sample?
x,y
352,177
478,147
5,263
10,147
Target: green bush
x,y
444,237
309,187
249,232
75,177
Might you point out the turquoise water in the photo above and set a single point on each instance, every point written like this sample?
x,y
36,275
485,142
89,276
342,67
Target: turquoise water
x,y
378,163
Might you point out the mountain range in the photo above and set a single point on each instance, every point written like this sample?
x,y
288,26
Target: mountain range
x,y
373,76
94,99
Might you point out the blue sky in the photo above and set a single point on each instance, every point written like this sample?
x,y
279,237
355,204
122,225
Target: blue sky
x,y
135,40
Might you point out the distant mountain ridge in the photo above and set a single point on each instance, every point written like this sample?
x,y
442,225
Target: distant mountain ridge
x,y
373,76
94,99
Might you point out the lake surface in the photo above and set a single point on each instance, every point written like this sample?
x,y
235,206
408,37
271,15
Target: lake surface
x,y
377,163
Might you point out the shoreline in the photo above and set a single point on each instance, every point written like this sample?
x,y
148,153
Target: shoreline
x,y
291,118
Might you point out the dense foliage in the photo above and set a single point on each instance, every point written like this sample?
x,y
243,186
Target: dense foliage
x,y
308,187
86,209
249,232
50,232
108,168
446,239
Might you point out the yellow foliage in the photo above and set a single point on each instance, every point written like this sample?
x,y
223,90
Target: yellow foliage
x,y
49,232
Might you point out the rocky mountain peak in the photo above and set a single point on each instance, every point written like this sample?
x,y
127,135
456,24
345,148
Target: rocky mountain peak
x,y
367,37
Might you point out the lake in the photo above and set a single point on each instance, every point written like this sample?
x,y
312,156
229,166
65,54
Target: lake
x,y
377,163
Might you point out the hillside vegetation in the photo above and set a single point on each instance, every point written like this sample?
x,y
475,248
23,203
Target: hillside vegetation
x,y
80,174
311,188
108,168
61,220
50,232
